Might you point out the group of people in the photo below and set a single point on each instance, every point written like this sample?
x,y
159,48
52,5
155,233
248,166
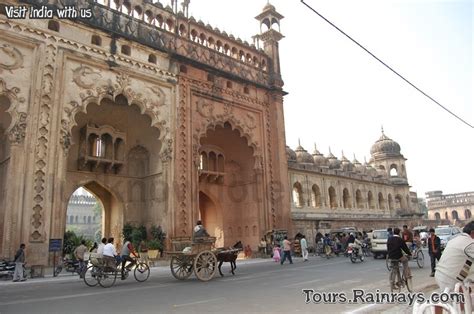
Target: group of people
x,y
106,250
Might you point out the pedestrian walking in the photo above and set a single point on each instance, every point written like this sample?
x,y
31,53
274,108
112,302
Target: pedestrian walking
x,y
304,248
79,253
19,261
286,251
276,253
434,249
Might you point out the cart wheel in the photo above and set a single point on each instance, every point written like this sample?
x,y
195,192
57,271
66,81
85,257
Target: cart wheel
x,y
420,259
107,278
141,272
205,265
91,277
181,267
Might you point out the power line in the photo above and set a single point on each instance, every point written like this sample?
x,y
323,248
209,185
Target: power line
x,y
387,66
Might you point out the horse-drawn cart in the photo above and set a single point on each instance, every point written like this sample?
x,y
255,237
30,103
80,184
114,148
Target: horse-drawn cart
x,y
193,255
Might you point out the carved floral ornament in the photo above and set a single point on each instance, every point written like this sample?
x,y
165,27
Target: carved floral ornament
x,y
17,129
210,120
10,58
93,88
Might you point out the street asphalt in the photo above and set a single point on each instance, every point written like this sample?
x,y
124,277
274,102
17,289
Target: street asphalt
x,y
259,286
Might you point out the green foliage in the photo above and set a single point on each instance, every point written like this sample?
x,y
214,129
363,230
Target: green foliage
x,y
127,230
138,234
155,245
71,241
158,233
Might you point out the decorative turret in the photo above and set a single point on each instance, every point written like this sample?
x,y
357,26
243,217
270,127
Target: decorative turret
x,y
302,156
387,158
319,159
334,163
346,164
270,38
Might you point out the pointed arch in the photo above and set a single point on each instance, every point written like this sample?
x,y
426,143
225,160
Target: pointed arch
x,y
315,196
332,197
298,194
359,199
346,198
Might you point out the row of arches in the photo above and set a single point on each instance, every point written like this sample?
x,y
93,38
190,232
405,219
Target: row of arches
x,y
362,200
75,219
454,215
167,23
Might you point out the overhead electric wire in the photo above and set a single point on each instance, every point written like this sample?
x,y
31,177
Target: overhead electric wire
x,y
387,66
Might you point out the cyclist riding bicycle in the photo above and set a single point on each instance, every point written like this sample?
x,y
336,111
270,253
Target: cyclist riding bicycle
x,y
127,249
395,249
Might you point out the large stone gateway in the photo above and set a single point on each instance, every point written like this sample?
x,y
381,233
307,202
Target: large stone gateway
x,y
163,119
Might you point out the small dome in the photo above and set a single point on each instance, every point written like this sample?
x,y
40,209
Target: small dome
x,y
302,155
334,163
370,170
385,146
358,167
319,158
290,154
346,164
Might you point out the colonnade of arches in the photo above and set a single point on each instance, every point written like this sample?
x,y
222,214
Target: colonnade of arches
x,y
453,215
330,199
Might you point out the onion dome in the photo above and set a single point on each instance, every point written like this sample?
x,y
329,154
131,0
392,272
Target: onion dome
x,y
385,147
290,154
334,163
345,163
319,158
302,156
358,167
268,7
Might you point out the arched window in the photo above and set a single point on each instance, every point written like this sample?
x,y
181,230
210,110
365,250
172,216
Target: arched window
x,y
346,198
393,170
390,202
381,201
437,216
98,150
96,40
467,214
89,219
297,194
152,58
370,200
126,50
71,219
359,199
315,196
332,197
454,215
53,25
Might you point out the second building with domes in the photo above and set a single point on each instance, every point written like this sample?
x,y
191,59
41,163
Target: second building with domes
x,y
330,193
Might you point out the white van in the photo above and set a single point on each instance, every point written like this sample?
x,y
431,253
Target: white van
x,y
378,239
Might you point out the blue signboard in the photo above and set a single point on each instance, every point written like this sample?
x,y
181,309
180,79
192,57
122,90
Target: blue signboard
x,y
55,245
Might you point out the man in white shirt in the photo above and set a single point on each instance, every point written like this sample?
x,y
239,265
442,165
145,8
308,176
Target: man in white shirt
x,y
109,254
304,248
100,249
456,261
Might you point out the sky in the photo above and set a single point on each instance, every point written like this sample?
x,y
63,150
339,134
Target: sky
x,y
340,97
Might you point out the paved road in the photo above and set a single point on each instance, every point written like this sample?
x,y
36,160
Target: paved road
x,y
258,286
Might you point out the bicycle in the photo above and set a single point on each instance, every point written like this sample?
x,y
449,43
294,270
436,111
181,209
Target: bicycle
x,y
104,275
417,255
397,281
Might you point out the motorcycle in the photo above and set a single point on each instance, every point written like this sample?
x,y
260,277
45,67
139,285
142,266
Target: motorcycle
x,y
69,265
7,269
354,254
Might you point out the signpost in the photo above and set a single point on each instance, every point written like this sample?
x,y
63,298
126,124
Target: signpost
x,y
55,245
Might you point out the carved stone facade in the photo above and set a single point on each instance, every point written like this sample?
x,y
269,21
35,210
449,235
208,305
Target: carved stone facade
x,y
126,105
453,208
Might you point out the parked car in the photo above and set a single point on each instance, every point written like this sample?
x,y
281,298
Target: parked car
x,y
446,233
378,239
